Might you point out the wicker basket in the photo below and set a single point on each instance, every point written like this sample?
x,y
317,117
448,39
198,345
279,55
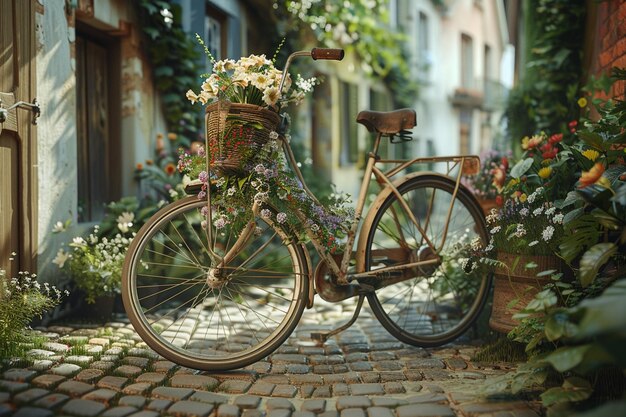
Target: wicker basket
x,y
236,132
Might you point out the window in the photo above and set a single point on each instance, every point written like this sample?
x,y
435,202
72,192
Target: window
x,y
423,52
467,61
465,131
98,179
215,38
349,96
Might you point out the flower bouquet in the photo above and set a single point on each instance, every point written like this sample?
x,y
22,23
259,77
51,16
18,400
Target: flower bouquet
x,y
243,99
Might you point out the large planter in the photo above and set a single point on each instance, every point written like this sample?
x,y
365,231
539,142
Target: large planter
x,y
487,205
518,283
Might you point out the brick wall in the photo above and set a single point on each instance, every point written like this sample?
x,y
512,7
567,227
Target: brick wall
x,y
610,41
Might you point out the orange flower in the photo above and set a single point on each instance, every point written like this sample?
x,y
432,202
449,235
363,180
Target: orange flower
x,y
139,166
170,169
498,178
172,136
591,176
149,162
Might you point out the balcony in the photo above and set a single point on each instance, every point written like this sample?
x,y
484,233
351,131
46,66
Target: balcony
x,y
488,95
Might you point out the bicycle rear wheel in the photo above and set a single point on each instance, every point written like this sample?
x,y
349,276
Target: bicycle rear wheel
x,y
172,300
432,304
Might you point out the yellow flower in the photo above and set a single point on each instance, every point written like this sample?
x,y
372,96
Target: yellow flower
x,y
582,102
523,198
591,154
514,181
545,172
172,136
525,141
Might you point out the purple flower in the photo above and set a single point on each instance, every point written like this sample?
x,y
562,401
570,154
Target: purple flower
x,y
203,176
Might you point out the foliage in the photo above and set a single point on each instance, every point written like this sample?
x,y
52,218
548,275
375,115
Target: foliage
x,y
174,57
359,27
528,226
271,184
487,183
546,95
22,298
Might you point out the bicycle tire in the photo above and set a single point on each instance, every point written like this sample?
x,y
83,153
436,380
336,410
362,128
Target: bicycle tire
x,y
420,311
173,307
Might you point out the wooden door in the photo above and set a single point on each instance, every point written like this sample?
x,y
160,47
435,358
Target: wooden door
x,y
18,152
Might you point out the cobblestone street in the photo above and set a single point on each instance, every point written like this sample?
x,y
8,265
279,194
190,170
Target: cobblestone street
x,y
363,372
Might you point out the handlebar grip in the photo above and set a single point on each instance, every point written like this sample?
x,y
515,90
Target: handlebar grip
x,y
327,53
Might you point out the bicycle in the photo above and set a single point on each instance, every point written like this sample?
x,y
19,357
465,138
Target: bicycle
x,y
221,300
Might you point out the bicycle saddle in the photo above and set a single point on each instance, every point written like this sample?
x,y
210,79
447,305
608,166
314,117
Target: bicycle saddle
x,y
389,123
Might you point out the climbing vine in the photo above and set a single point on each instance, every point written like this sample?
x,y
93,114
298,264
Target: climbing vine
x,y
360,27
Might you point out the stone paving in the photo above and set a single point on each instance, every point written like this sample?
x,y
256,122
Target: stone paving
x,y
86,370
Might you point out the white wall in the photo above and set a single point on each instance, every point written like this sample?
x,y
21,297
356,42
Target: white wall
x,y
141,116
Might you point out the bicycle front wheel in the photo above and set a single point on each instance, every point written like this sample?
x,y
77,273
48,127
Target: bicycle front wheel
x,y
180,309
433,304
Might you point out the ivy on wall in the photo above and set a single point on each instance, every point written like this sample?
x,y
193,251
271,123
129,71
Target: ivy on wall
x,y
545,99
174,56
360,27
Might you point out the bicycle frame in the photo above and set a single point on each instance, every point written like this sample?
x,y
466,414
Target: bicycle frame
x,y
465,164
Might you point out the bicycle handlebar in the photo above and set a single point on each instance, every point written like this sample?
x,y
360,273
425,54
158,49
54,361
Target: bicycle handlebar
x,y
327,53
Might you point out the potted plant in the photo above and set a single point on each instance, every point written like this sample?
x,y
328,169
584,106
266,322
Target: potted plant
x,y
488,182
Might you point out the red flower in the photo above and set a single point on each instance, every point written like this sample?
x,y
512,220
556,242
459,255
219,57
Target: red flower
x,y
499,200
556,138
572,124
549,152
505,163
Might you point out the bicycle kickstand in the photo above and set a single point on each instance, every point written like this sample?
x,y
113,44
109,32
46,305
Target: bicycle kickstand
x,y
325,335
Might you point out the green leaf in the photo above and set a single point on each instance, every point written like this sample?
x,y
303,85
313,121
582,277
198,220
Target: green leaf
x,y
558,325
560,56
593,259
572,198
592,139
604,314
521,167
572,215
164,71
567,358
574,389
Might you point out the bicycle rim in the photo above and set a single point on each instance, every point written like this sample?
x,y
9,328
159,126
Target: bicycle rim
x,y
436,304
179,311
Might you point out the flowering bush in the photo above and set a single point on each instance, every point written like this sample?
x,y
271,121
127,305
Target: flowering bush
x,y
250,80
487,184
22,299
273,185
95,263
529,227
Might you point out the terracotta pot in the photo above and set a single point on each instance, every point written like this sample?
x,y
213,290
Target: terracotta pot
x,y
487,205
518,282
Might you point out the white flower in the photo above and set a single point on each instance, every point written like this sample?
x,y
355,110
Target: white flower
x,y
315,227
537,211
524,212
61,258
79,241
547,233
270,96
476,243
220,223
266,214
126,217
492,216
273,135
123,227
558,218
533,243
550,211
281,217
58,228
191,96
495,230
231,191
520,231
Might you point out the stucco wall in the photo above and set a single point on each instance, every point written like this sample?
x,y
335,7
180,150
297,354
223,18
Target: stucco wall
x,y
140,117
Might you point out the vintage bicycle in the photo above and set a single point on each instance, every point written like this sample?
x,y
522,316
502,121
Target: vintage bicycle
x,y
222,299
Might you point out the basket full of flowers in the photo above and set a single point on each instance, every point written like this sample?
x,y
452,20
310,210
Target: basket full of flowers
x,y
243,99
